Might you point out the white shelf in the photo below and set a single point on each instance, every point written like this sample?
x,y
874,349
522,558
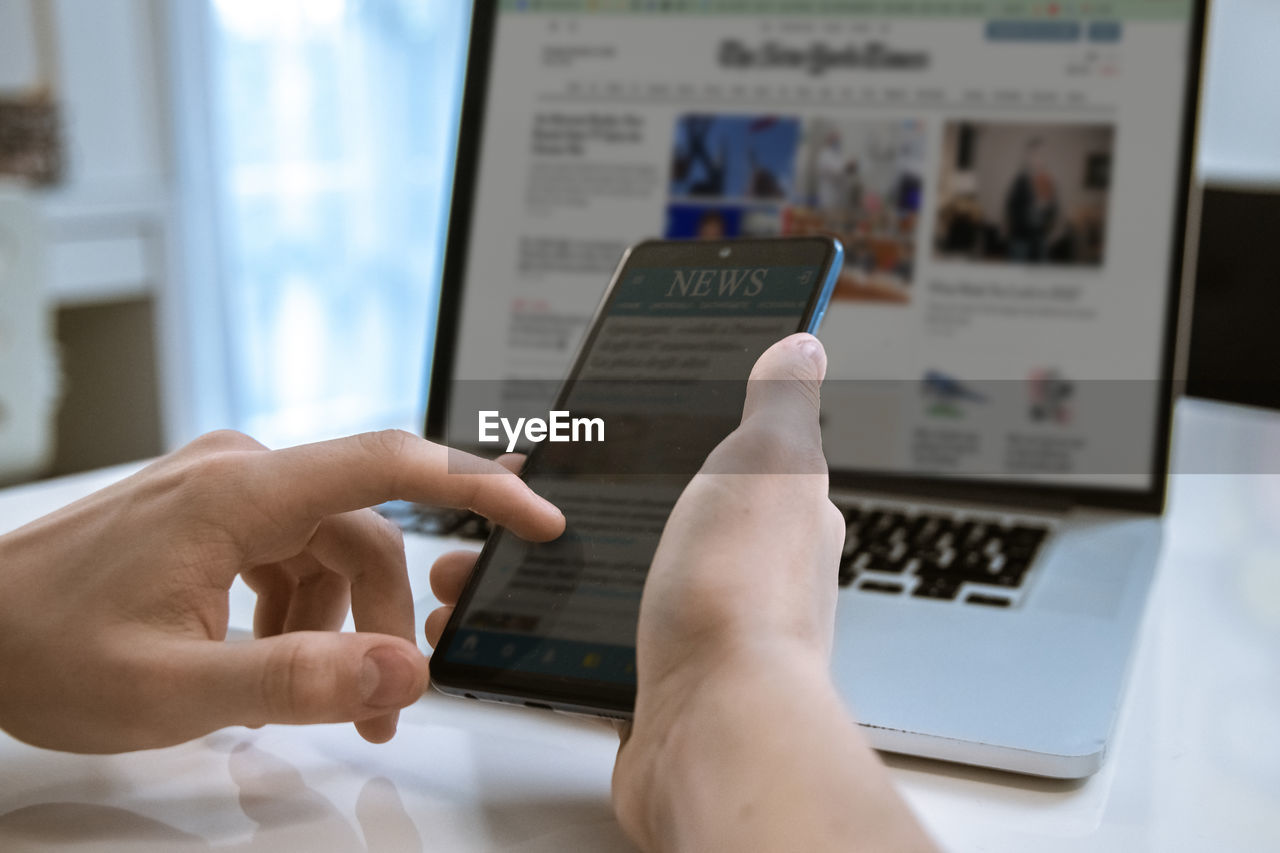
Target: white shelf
x,y
104,269
104,245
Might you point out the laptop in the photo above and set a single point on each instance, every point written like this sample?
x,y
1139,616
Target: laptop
x,y
1011,181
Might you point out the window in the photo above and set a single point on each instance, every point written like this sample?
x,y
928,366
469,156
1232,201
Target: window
x,y
333,140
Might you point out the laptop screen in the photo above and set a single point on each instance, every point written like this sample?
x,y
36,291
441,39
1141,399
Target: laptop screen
x,y
1006,177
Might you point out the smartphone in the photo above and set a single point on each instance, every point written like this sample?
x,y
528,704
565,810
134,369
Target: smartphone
x,y
658,382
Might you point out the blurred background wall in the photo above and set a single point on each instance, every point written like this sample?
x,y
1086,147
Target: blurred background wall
x,y
245,228
105,215
1240,130
246,225
1234,353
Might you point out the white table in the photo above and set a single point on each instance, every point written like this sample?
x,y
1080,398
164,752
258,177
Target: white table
x,y
1196,764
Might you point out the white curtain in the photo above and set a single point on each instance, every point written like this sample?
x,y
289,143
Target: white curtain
x,y
333,125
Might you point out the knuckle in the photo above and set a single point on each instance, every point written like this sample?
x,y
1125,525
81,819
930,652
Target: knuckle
x,y
196,481
388,448
293,683
208,479
211,467
190,475
808,396
804,384
388,444
389,535
276,687
794,380
224,439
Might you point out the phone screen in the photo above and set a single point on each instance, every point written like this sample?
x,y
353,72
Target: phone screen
x,y
659,382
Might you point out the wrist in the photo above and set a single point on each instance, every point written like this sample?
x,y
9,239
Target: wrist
x,y
759,753
678,740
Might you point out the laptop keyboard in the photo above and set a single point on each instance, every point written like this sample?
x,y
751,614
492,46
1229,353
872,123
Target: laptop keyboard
x,y
433,521
938,555
926,554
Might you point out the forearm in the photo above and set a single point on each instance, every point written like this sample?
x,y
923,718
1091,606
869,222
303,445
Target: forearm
x,y
771,760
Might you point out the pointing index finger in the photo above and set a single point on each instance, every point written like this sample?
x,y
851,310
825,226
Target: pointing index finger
x,y
351,473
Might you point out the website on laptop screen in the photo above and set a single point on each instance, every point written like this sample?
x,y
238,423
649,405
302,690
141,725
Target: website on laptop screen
x,y
1003,176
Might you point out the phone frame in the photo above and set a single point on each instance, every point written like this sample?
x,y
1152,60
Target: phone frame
x,y
581,695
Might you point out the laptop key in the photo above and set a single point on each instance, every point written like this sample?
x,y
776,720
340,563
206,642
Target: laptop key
x,y
880,586
872,519
428,520
847,571
431,524
974,562
1027,536
941,587
884,564
981,532
880,525
474,527
888,550
1006,578
1015,566
932,531
1020,552
933,565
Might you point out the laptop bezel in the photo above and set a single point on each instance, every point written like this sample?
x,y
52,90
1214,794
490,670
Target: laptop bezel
x,y
458,240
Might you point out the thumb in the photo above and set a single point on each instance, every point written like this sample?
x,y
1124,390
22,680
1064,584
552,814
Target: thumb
x,y
783,391
780,433
306,677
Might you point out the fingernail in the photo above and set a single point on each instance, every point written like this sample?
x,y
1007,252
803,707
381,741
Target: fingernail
x,y
387,679
817,356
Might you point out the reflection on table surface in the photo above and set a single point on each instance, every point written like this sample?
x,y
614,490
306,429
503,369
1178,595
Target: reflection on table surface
x,y
459,775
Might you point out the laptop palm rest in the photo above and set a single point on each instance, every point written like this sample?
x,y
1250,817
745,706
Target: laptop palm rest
x,y
1032,689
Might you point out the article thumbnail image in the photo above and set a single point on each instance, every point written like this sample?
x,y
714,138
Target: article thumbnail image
x,y
738,157
720,221
862,181
1024,193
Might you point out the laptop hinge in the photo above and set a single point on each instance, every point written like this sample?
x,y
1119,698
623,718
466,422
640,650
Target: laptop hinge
x,y
967,493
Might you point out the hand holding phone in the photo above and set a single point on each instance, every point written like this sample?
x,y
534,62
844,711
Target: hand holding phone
x,y
721,579
664,367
